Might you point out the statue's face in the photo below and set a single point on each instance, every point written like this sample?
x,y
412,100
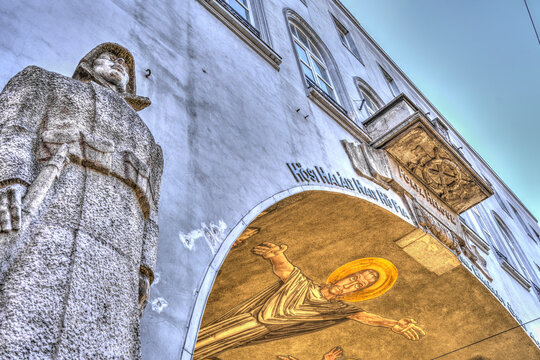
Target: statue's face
x,y
353,283
113,69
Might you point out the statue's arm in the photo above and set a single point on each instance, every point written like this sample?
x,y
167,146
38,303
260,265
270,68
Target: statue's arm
x,y
405,327
275,254
151,231
22,104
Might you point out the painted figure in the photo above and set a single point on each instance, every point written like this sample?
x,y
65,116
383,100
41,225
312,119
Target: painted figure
x,y
79,191
296,305
334,354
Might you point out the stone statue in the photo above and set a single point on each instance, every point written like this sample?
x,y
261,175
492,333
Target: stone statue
x,y
79,190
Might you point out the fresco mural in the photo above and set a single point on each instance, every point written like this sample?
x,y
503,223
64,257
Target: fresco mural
x,y
334,354
297,305
321,276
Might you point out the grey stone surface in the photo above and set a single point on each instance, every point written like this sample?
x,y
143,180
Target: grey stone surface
x,y
69,285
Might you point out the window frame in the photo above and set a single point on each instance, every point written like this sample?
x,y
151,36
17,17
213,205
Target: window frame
x,y
394,89
522,223
246,7
483,226
257,37
368,103
313,57
346,39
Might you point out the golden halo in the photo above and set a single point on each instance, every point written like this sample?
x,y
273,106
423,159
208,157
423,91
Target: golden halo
x,y
387,277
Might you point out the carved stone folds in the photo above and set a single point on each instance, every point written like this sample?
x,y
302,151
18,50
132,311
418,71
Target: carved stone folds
x,y
99,154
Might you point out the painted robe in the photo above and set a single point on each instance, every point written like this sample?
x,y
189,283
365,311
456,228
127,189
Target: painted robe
x,y
72,292
287,309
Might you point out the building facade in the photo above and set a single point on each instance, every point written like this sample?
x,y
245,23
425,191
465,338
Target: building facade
x,y
283,122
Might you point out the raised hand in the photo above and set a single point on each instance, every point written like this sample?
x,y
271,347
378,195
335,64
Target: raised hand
x,y
268,250
11,207
333,354
409,329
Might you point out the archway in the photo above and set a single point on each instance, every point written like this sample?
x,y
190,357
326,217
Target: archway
x,y
324,230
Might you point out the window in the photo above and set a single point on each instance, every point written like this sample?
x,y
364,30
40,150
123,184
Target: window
x,y
368,102
501,203
391,84
243,8
346,40
511,248
367,105
246,19
483,226
522,223
313,66
536,235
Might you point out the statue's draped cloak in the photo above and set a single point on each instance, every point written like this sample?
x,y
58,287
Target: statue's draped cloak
x,y
283,310
73,290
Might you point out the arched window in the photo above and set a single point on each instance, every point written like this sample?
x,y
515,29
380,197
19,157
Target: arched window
x,y
312,63
513,253
368,102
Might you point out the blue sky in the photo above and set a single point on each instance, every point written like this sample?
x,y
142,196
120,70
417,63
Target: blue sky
x,y
478,62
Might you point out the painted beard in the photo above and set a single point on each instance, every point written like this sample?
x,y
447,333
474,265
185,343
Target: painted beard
x,y
335,291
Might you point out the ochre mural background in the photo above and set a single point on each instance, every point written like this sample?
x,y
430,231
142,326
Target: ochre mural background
x,y
323,231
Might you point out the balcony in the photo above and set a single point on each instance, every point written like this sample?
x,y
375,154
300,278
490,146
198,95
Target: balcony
x,y
402,129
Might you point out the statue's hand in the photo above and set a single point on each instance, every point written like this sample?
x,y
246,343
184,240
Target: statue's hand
x,y
11,207
409,329
268,250
333,354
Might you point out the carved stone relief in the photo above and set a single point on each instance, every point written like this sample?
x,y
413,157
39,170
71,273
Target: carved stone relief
x,y
471,252
423,147
433,226
369,162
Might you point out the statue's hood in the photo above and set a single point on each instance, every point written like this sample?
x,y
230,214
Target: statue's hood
x,y
85,72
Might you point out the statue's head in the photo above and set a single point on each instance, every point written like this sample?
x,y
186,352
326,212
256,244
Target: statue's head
x,y
350,284
113,70
111,65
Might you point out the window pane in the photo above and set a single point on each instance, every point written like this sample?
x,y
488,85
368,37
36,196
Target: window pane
x,y
369,106
344,39
239,9
323,86
301,53
314,50
302,38
393,87
321,71
307,71
293,30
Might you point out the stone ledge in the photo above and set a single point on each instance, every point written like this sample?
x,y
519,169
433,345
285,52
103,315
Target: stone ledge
x,y
240,29
339,114
512,271
476,239
516,275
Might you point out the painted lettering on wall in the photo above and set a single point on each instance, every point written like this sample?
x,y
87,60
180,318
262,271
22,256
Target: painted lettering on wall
x,y
319,175
424,193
